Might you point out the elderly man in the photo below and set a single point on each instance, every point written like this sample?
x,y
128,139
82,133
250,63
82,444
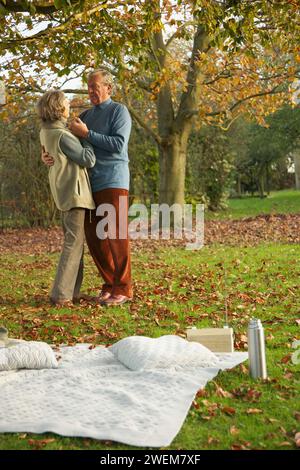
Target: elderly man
x,y
106,126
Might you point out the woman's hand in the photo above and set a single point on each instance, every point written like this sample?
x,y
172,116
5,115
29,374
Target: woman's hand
x,y
46,158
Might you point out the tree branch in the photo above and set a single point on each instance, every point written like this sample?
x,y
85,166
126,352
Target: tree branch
x,y
190,97
52,29
182,27
238,103
138,81
256,95
12,6
143,124
165,110
138,119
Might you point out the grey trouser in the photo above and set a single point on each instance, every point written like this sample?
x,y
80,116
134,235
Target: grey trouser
x,y
69,274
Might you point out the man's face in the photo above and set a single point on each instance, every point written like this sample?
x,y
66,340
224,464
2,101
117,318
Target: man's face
x,y
98,91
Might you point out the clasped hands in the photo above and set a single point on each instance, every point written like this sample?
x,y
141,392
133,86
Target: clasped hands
x,y
78,128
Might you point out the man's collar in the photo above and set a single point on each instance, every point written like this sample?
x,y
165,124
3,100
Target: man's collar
x,y
104,104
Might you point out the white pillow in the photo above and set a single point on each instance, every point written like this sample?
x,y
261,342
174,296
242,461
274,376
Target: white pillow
x,y
140,352
27,355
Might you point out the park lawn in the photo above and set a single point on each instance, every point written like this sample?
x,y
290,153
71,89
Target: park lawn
x,y
278,202
175,288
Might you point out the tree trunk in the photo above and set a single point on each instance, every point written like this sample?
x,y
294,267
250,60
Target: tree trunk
x,y
261,185
296,156
239,186
174,128
172,169
267,179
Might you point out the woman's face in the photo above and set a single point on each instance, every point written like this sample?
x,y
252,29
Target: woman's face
x,y
67,108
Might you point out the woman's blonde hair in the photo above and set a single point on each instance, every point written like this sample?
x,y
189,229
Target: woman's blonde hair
x,y
51,106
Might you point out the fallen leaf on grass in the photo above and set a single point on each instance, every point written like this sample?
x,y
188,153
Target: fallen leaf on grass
x,y
228,410
209,405
297,439
243,369
244,446
38,444
275,320
297,415
243,338
272,420
140,331
284,444
247,394
298,321
201,393
213,440
222,393
285,359
253,411
283,430
233,430
238,447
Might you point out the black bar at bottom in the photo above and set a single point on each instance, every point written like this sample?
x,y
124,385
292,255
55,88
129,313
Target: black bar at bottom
x,y
138,458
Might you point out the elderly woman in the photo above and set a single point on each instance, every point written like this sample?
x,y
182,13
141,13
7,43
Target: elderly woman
x,y
71,191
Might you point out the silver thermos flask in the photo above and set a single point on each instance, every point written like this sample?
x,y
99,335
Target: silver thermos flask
x,y
256,349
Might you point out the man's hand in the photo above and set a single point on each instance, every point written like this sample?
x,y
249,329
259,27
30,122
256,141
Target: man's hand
x,y
46,158
78,128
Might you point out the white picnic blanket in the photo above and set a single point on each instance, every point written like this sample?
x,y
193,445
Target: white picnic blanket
x,y
91,394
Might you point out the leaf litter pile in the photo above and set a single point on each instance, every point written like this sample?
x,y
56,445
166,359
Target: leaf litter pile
x,y
249,231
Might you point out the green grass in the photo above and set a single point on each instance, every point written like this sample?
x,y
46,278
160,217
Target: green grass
x,y
278,202
175,288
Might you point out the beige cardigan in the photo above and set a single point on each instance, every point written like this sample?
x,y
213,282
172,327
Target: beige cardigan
x,y
69,182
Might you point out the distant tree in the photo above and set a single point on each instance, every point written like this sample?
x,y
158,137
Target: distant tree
x,y
24,178
144,167
210,167
272,143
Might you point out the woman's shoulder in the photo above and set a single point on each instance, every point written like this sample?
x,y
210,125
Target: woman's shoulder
x,y
69,143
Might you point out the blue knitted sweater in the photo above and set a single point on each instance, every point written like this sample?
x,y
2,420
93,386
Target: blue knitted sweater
x,y
109,125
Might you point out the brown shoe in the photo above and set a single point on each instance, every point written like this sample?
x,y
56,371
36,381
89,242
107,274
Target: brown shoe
x,y
116,300
103,296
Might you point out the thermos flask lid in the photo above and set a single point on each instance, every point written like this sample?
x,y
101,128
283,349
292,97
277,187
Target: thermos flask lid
x,y
255,323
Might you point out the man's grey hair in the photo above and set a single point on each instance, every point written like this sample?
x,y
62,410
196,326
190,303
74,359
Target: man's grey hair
x,y
106,75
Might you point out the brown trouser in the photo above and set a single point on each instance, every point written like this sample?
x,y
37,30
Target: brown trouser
x,y
112,254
